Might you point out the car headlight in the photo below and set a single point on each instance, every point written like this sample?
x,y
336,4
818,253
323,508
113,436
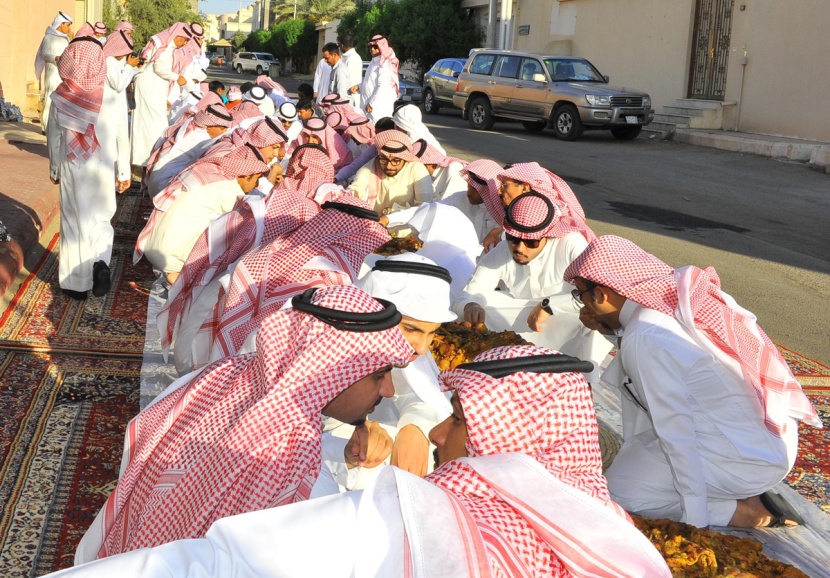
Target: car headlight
x,y
598,99
647,101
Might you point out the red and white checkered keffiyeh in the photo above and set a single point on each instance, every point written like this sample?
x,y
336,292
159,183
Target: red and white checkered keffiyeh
x,y
271,85
547,416
347,111
337,149
711,317
387,55
78,98
163,39
534,211
125,26
260,134
429,155
224,241
273,273
245,434
335,120
362,130
572,217
242,162
244,110
213,115
481,174
118,44
85,31
183,57
309,167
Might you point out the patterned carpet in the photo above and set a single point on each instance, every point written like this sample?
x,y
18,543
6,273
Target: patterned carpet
x,y
69,383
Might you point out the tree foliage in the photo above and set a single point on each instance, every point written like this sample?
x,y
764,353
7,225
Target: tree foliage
x,y
149,17
238,39
420,31
112,13
295,39
259,41
314,10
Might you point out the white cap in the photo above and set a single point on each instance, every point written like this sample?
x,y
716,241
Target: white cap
x,y
422,293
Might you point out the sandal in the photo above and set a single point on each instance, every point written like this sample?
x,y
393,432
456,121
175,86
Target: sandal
x,y
781,510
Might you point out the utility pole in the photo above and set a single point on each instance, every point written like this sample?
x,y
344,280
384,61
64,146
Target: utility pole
x,y
295,10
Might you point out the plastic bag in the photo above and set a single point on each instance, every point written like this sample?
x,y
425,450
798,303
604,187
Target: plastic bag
x,y
10,112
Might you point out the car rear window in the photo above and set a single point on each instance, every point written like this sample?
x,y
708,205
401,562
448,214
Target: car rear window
x,y
457,66
482,64
507,66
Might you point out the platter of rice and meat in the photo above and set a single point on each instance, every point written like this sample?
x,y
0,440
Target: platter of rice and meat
x,y
460,342
398,245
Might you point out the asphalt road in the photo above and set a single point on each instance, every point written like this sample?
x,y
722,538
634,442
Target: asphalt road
x,y
763,224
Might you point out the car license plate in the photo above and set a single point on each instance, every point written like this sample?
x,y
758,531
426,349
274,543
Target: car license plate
x,y
406,97
630,119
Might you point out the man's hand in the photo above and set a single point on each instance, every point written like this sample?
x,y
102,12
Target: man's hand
x,y
369,108
591,321
492,239
121,186
368,446
411,450
354,89
275,174
384,221
133,61
474,313
537,317
181,81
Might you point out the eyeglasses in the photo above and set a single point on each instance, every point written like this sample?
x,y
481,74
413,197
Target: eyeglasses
x,y
529,243
375,46
394,161
505,184
577,294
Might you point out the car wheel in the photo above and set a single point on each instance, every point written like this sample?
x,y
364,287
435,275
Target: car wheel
x,y
258,70
534,125
239,69
430,106
480,114
566,123
626,132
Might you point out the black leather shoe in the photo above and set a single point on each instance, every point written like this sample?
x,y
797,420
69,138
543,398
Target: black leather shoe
x,y
76,295
100,279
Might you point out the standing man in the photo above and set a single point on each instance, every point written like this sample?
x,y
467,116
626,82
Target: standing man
x,y
709,406
322,80
355,65
54,42
77,163
340,79
379,89
152,88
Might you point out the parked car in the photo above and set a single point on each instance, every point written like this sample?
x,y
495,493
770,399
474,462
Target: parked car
x,y
439,83
409,90
258,62
566,93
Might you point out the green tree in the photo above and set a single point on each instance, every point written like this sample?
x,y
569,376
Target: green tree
x,y
258,41
420,31
314,10
294,39
112,13
149,17
239,39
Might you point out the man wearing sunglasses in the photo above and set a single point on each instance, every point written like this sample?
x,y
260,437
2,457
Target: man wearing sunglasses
x,y
518,285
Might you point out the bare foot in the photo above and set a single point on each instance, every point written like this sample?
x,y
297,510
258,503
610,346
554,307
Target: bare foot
x,y
171,277
751,513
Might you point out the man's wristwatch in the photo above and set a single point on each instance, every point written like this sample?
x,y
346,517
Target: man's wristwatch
x,y
546,306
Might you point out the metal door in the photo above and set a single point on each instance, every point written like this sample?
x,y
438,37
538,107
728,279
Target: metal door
x,y
710,49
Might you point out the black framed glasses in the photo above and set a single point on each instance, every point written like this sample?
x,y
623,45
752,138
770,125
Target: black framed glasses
x,y
529,243
394,161
577,294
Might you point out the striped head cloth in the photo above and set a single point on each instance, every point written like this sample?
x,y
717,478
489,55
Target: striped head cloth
x,y
395,144
118,44
159,42
387,56
362,130
270,85
335,146
531,216
310,166
429,155
481,175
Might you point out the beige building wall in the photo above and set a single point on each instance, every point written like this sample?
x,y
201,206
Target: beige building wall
x,y
786,86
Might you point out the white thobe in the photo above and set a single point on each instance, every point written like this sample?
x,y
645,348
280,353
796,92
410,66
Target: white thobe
x,y
322,79
447,181
150,114
479,216
523,287
378,90
181,155
180,226
355,65
87,205
52,47
114,135
694,433
411,186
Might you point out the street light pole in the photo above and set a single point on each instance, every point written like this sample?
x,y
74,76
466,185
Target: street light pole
x,y
295,9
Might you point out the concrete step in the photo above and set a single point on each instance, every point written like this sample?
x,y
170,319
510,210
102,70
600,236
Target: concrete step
x,y
683,111
659,130
697,103
674,119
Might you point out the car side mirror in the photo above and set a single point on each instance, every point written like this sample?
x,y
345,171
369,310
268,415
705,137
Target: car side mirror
x,y
539,77
606,78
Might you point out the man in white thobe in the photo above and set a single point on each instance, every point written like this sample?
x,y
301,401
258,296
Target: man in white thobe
x,y
355,66
54,42
379,89
152,88
710,407
322,80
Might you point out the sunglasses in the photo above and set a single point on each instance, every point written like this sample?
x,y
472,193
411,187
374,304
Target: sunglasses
x,y
375,46
529,243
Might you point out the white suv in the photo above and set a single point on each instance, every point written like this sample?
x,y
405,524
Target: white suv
x,y
258,62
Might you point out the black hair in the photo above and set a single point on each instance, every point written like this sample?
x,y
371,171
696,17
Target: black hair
x,y
331,48
347,40
305,104
386,123
305,90
246,87
216,85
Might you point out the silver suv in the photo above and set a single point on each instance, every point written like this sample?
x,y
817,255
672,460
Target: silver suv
x,y
563,92
258,62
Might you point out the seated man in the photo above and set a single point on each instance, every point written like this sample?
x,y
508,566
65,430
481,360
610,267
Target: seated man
x,y
200,452
181,215
528,269
444,170
395,177
519,492
482,191
709,405
420,290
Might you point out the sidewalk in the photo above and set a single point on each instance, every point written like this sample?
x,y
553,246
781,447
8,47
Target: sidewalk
x,y
28,199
